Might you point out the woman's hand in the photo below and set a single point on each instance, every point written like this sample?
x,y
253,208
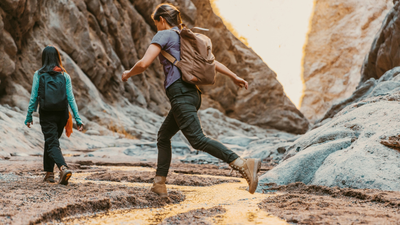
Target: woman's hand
x,y
125,76
227,72
80,127
240,82
29,124
148,58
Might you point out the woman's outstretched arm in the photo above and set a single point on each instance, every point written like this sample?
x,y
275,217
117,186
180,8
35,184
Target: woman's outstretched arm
x,y
151,54
227,72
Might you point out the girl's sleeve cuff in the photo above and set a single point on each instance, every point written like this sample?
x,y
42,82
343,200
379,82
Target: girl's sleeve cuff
x,y
28,119
78,121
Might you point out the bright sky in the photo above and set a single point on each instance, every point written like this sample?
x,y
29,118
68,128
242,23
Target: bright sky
x,y
276,30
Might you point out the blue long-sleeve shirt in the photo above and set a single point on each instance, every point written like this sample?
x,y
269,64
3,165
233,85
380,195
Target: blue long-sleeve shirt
x,y
33,103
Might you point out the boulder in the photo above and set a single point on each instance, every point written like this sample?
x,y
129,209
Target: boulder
x,y
356,148
5,155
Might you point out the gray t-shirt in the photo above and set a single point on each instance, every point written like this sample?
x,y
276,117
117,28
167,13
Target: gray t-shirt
x,y
170,42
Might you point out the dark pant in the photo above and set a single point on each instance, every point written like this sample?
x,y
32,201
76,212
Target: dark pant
x,y
185,101
53,124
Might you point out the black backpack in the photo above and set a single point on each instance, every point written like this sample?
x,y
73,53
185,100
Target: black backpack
x,y
52,92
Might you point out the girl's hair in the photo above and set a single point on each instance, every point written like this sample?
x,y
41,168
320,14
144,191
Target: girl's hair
x,y
169,12
50,59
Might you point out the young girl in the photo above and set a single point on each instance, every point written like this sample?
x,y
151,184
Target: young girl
x,y
53,122
185,100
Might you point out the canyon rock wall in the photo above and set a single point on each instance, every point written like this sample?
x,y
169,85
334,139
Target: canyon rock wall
x,y
98,40
383,56
340,36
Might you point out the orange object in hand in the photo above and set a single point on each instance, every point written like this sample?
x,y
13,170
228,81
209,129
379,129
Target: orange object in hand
x,y
68,126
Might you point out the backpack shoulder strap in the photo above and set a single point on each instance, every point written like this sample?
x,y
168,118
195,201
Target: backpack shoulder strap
x,y
42,76
169,57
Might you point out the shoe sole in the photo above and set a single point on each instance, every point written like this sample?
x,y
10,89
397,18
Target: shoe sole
x,y
65,178
256,169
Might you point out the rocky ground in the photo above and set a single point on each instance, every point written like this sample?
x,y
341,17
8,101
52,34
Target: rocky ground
x,y
312,204
25,199
98,141
147,177
105,186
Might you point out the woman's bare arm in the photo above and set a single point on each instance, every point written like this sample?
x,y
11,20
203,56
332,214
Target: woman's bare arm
x,y
227,72
151,54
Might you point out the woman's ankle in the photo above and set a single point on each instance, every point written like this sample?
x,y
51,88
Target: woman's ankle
x,y
63,167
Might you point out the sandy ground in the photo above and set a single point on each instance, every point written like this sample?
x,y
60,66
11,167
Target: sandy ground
x,y
101,185
147,177
197,216
311,204
28,200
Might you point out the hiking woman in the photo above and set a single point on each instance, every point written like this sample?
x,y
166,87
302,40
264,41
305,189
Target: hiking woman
x,y
52,88
185,101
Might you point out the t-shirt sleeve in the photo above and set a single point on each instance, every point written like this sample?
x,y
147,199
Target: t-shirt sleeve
x,y
161,38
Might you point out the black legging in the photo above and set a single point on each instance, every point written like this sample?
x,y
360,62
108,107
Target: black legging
x,y
53,124
185,101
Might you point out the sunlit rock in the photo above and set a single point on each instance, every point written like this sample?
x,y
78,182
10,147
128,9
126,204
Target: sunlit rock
x,y
341,34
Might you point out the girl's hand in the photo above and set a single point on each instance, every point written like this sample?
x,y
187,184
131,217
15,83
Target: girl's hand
x,y
80,127
29,124
240,82
125,76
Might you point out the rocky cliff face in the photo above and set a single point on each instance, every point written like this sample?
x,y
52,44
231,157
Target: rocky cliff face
x,y
382,57
384,54
100,39
340,36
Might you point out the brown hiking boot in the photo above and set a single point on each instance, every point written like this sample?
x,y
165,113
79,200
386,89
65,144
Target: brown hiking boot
x,y
159,186
65,174
49,177
248,168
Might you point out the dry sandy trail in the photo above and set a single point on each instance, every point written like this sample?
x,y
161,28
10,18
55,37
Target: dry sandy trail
x,y
117,192
226,203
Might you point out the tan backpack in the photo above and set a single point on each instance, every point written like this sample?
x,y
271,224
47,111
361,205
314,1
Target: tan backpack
x,y
197,63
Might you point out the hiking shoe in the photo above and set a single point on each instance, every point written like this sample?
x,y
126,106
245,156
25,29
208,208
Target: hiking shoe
x,y
159,186
65,174
49,177
248,168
